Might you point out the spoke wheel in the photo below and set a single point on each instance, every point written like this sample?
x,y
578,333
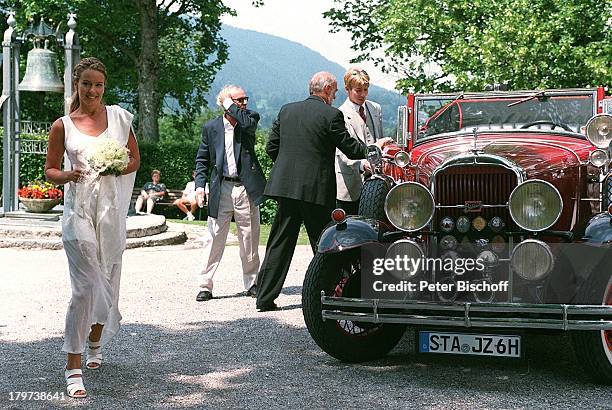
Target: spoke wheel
x,y
338,275
349,286
606,335
593,348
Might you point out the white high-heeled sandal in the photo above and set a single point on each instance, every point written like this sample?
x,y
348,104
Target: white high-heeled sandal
x,y
94,355
75,384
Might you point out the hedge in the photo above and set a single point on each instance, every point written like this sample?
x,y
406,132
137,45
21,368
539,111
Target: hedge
x,y
175,160
32,166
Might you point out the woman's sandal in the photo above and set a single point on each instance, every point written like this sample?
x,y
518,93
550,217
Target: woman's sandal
x,y
94,355
74,385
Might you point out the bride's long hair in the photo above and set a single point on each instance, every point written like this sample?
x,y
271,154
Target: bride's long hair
x,y
89,63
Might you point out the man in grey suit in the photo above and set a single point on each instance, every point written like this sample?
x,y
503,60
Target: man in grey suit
x,y
363,120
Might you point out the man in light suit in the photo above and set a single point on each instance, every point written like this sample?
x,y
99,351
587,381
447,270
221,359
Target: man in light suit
x,y
363,119
226,160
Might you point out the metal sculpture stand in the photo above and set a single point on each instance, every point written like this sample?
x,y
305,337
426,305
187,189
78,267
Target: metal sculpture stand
x,y
34,80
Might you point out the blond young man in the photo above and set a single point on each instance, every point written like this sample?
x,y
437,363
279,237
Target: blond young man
x,y
363,120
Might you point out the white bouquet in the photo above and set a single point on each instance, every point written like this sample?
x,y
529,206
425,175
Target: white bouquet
x,y
107,157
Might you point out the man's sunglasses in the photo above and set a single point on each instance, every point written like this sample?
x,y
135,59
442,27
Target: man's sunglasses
x,y
241,100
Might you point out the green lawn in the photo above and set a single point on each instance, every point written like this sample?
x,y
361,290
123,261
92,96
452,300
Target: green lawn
x,y
263,237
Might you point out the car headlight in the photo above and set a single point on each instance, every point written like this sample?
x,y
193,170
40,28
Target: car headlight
x,y
535,205
599,130
408,252
401,159
532,259
409,206
598,158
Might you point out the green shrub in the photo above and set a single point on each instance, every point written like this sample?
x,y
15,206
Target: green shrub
x,y
176,161
31,166
174,158
269,206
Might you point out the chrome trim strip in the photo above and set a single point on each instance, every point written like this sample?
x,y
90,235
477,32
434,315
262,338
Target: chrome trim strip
x,y
463,206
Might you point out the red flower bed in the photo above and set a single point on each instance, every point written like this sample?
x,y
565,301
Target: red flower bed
x,y
40,190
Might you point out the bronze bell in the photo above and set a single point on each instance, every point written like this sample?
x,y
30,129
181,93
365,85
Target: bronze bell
x,y
41,72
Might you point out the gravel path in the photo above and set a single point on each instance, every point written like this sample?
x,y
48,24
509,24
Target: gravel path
x,y
175,352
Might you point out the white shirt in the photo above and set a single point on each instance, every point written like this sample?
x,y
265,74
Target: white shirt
x,y
229,165
356,107
189,191
368,136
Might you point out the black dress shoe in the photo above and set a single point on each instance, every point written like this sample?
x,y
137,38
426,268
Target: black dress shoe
x,y
204,295
252,292
267,308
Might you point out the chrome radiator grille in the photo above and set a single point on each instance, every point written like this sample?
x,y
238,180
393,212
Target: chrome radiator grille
x,y
487,184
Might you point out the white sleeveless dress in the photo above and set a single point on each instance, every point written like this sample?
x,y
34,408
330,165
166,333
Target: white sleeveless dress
x,y
93,234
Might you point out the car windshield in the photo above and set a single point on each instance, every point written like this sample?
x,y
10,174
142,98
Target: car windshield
x,y
542,111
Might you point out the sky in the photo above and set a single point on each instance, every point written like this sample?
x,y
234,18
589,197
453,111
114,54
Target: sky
x,y
302,21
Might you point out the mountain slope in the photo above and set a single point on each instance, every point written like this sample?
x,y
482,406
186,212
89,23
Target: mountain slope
x,y
274,71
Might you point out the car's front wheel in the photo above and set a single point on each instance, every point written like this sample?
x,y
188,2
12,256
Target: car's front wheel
x,y
593,348
339,274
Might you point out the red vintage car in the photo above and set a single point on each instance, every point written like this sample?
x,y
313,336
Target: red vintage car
x,y
488,218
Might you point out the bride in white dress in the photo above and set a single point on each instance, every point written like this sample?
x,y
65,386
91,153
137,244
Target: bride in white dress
x,y
93,224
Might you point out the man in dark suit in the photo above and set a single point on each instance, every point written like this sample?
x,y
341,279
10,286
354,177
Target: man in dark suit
x,y
302,144
226,161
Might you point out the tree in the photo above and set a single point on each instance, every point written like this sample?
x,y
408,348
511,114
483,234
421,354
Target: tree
x,y
466,44
155,51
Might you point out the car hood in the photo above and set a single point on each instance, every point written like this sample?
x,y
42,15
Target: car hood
x,y
538,155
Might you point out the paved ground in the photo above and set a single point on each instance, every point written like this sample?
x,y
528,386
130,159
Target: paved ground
x,y
174,352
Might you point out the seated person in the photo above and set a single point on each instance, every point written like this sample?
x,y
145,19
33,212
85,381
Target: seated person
x,y
188,200
151,192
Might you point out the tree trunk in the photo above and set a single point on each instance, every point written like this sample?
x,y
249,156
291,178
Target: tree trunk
x,y
148,72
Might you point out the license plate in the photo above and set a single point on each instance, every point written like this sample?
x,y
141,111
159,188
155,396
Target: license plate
x,y
472,344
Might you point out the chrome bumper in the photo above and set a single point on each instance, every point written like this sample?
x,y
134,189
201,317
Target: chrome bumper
x,y
486,315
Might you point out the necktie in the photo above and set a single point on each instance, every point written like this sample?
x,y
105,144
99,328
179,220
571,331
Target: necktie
x,y
362,113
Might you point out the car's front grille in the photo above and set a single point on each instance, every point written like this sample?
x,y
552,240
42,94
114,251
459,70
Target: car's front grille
x,y
484,184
